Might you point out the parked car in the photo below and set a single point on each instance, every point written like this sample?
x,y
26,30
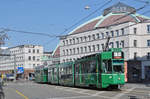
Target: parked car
x,y
10,77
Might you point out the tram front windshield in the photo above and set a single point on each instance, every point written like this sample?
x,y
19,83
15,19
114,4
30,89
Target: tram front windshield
x,y
118,68
115,66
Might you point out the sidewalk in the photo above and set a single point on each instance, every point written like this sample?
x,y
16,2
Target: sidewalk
x,y
137,85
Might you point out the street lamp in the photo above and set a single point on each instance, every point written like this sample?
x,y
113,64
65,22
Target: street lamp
x,y
87,7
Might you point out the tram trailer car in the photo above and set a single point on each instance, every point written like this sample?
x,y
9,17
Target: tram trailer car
x,y
102,70
41,74
53,74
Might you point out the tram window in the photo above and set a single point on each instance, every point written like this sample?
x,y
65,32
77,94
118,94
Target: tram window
x,y
77,69
93,66
118,68
88,66
83,67
107,66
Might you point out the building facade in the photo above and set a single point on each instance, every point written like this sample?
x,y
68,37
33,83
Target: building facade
x,y
47,58
25,56
127,29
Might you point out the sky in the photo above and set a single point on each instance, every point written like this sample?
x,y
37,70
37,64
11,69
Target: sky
x,y
52,17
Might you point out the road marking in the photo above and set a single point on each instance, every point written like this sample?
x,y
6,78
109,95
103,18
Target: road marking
x,y
98,93
83,93
70,97
123,93
25,97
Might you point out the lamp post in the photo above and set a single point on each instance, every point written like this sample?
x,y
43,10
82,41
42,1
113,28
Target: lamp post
x,y
15,73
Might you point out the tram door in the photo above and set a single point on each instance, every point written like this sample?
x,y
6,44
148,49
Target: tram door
x,y
147,73
77,74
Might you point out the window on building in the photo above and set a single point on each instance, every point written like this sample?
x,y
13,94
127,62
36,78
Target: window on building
x,y
98,47
85,38
117,32
81,39
77,40
70,51
93,48
107,34
89,48
33,65
122,31
112,33
135,30
117,44
85,49
102,35
73,41
67,51
70,59
33,50
112,44
148,28
135,43
63,42
38,59
97,35
74,50
135,55
66,42
122,43
89,38
29,58
70,41
148,42
38,51
66,60
63,52
33,58
93,36
102,46
148,55
29,51
81,49
78,50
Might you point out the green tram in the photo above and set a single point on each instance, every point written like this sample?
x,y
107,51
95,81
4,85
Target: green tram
x,y
101,70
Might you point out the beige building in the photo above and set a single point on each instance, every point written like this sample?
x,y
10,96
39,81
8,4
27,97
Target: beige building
x,y
129,32
27,56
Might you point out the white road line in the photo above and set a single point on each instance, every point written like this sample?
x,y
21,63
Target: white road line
x,y
89,95
70,97
98,93
123,93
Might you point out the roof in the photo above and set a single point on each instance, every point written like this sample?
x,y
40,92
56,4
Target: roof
x,y
119,7
116,14
56,52
109,19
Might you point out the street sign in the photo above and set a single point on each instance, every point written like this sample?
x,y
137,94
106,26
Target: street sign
x,y
20,70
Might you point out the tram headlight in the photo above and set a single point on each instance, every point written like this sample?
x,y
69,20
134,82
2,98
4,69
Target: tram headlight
x,y
118,78
110,77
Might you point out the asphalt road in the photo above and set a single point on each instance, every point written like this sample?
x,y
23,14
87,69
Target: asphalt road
x,y
30,90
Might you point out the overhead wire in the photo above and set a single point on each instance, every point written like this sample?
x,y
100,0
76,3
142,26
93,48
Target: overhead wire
x,y
83,19
124,17
55,36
